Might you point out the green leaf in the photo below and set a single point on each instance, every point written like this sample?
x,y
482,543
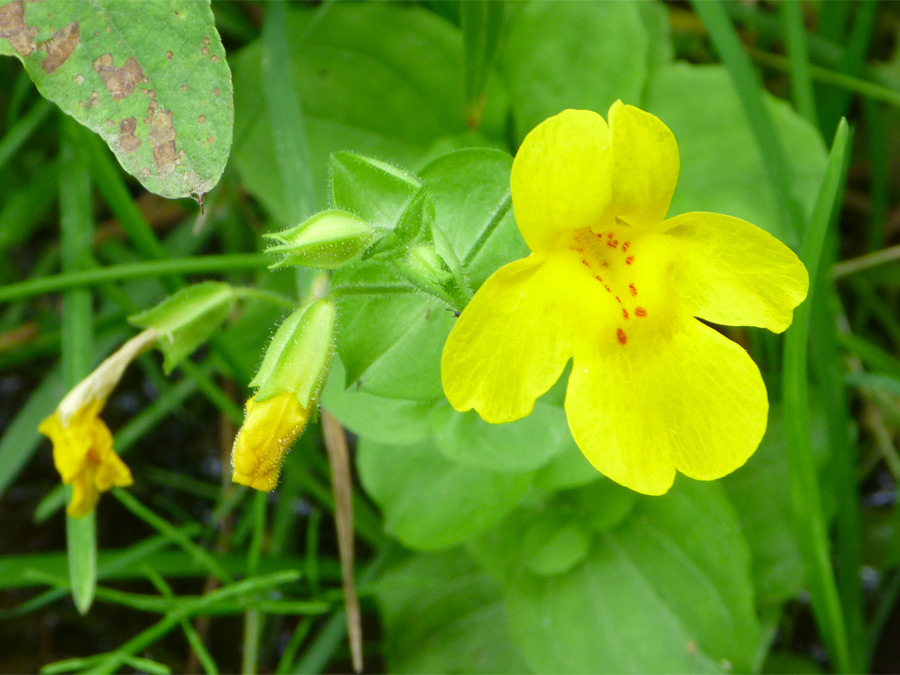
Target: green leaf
x,y
442,614
382,78
482,26
568,469
81,538
375,191
473,208
384,420
760,493
554,543
523,445
721,166
392,344
667,591
431,503
149,78
187,319
571,71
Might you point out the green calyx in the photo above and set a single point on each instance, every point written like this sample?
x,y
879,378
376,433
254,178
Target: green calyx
x,y
327,240
298,357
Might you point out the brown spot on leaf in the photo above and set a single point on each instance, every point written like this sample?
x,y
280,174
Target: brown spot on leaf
x,y
206,41
120,82
215,91
60,47
79,79
201,119
211,139
184,87
13,27
169,56
95,99
214,58
162,139
127,140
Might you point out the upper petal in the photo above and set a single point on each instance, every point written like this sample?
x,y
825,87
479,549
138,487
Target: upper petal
x,y
510,343
645,166
734,273
561,177
687,399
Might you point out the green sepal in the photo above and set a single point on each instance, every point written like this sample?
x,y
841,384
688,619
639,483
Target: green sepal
x,y
375,191
415,223
298,357
187,319
327,240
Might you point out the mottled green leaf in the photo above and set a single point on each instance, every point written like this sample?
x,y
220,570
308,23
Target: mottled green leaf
x,y
150,78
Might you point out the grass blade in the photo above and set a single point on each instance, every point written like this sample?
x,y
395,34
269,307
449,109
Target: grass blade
x,y
811,528
482,27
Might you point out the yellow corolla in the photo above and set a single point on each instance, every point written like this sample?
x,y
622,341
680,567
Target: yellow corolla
x,y
269,430
618,288
82,444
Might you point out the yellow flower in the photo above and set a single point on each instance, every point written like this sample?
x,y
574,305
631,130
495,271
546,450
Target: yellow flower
x,y
269,430
618,288
82,444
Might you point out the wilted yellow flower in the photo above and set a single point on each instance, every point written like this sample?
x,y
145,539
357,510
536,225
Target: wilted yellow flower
x,y
618,288
288,384
269,430
82,444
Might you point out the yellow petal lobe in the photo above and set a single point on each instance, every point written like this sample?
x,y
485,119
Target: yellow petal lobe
x,y
561,177
736,274
645,166
685,399
84,457
510,344
269,430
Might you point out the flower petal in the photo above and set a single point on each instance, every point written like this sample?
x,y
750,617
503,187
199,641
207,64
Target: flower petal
x,y
645,166
510,344
736,274
689,399
561,177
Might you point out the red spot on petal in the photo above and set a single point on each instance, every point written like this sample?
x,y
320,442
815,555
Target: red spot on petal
x,y
579,249
605,264
633,289
620,334
625,246
598,277
585,263
607,289
613,244
640,311
618,300
610,235
625,312
629,260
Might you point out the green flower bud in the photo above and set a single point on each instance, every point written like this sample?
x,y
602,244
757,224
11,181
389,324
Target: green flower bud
x,y
326,240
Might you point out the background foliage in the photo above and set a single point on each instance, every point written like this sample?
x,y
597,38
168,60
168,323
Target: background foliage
x,y
480,548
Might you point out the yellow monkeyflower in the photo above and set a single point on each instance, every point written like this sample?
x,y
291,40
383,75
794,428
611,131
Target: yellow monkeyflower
x,y
82,444
269,430
618,288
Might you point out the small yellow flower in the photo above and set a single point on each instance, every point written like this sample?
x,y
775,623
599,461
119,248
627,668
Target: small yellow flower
x,y
269,430
618,288
82,444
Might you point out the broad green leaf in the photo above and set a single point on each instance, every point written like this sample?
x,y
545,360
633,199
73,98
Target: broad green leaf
x,y
384,420
572,70
187,319
568,469
442,614
668,591
383,79
721,167
473,208
523,445
554,543
760,493
375,191
431,503
150,78
392,344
